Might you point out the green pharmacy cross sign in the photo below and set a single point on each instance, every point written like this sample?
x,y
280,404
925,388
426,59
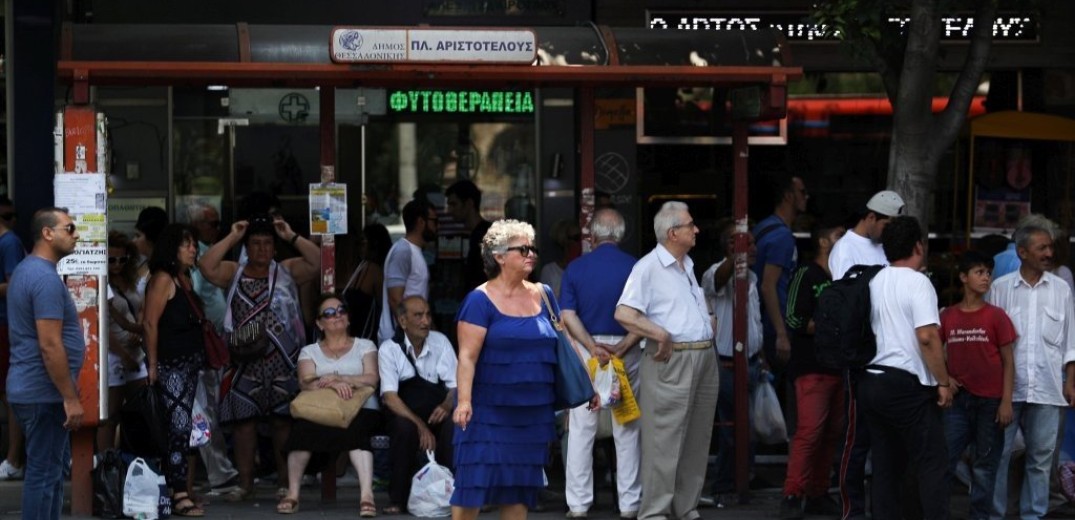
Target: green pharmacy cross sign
x,y
461,102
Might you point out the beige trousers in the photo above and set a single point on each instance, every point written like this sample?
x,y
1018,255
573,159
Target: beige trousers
x,y
678,401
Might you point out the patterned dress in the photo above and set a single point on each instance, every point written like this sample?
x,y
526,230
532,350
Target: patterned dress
x,y
266,385
500,457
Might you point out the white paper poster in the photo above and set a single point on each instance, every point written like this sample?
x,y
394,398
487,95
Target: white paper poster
x,y
328,209
85,197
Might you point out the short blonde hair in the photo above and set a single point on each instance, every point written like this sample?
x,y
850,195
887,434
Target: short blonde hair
x,y
496,241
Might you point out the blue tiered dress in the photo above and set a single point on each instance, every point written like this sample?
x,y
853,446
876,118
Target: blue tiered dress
x,y
500,457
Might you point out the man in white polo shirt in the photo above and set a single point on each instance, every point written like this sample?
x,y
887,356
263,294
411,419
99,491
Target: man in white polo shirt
x,y
905,386
663,303
417,371
405,270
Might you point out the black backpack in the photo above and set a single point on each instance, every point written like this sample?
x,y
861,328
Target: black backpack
x,y
843,337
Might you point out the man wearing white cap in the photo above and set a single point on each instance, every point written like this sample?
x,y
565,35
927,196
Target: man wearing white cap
x,y
861,245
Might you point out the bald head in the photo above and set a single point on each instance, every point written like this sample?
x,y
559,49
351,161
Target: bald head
x,y
607,226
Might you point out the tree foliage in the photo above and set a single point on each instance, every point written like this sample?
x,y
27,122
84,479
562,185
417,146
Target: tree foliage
x,y
906,56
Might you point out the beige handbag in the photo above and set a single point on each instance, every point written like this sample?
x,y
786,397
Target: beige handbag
x,y
325,407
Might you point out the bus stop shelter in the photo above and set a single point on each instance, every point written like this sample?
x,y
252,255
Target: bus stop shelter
x,y
753,66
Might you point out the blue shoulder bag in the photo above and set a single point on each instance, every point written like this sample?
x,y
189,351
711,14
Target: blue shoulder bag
x,y
573,386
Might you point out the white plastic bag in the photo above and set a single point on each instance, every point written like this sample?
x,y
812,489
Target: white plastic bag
x,y
766,416
607,385
141,492
200,433
431,489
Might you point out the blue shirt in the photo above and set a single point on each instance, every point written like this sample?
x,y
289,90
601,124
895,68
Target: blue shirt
x,y
41,295
1006,261
776,247
212,296
592,285
11,253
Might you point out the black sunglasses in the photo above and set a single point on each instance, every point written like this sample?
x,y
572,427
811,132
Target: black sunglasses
x,y
70,228
524,250
117,260
332,312
7,216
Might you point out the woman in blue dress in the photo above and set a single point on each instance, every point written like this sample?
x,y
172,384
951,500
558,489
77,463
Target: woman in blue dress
x,y
507,355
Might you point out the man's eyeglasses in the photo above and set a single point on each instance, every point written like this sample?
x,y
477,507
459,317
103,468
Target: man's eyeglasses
x,y
524,250
70,228
685,224
333,312
113,260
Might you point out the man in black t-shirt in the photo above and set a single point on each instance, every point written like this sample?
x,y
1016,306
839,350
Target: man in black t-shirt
x,y
819,392
464,204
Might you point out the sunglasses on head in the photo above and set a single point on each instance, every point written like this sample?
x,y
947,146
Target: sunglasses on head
x,y
112,260
333,312
524,250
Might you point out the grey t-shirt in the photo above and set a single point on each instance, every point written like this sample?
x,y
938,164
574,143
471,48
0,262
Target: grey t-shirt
x,y
40,295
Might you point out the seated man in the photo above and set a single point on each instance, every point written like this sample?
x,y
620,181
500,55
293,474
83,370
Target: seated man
x,y
417,369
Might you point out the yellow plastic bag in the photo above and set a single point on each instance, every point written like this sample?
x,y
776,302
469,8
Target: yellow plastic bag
x,y
626,410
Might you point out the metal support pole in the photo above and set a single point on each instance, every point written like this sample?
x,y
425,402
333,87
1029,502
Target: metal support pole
x,y
739,322
328,242
586,163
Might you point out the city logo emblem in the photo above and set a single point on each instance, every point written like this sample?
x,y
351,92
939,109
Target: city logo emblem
x,y
351,40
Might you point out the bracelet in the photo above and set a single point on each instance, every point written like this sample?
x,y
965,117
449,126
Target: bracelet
x,y
293,239
945,385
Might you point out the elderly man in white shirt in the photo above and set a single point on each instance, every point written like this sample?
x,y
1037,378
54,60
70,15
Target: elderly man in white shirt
x,y
417,369
663,302
1040,306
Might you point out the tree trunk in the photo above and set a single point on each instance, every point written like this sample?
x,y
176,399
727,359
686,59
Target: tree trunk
x,y
912,166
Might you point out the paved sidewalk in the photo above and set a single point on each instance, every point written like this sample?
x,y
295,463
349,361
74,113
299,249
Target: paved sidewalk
x,y
764,505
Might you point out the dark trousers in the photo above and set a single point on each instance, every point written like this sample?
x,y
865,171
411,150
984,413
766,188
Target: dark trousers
x,y
407,458
855,450
907,431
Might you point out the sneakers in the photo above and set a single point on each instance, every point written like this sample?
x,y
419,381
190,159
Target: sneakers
x,y
791,508
9,472
576,514
823,505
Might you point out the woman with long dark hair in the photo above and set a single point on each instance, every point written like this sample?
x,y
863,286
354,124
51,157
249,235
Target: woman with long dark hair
x,y
363,290
175,351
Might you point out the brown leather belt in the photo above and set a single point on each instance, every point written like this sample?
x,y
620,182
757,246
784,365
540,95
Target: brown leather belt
x,y
693,345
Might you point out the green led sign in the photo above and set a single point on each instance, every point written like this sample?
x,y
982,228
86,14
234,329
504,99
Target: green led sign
x,y
461,102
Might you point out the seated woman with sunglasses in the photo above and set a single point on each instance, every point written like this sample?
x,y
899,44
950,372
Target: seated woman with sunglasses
x,y
261,290
344,363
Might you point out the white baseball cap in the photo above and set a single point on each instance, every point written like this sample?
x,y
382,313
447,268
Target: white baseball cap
x,y
887,203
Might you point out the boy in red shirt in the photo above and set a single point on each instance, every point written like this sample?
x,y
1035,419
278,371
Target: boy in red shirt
x,y
978,338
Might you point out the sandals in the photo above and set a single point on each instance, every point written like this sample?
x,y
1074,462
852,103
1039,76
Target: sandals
x,y
287,506
367,509
392,510
183,505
